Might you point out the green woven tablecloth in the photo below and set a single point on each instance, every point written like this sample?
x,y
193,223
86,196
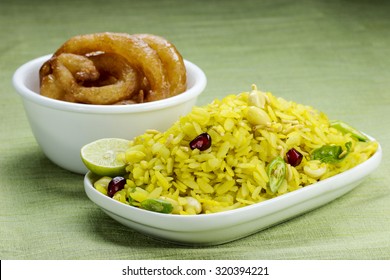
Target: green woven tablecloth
x,y
333,55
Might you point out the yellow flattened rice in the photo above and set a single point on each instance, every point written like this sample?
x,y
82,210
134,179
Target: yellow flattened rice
x,y
250,136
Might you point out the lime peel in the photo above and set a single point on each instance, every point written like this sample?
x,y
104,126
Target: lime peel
x,y
103,156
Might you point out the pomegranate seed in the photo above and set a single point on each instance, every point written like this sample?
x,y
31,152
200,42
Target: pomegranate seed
x,y
201,142
116,184
294,157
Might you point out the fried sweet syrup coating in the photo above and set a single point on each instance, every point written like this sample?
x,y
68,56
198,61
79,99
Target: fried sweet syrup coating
x,y
114,68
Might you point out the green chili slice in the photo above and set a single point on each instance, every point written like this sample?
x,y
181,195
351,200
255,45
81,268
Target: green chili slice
x,y
276,171
346,128
157,205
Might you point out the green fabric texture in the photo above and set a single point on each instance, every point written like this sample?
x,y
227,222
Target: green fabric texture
x,y
332,55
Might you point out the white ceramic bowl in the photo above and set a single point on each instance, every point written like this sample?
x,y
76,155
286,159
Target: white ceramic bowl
x,y
212,229
62,128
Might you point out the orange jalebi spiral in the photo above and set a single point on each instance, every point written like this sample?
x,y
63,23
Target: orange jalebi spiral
x,y
114,68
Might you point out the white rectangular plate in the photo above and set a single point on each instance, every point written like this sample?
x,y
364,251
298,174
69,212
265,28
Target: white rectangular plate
x,y
218,228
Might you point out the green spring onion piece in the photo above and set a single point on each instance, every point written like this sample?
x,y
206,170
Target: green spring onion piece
x,y
346,128
276,171
157,205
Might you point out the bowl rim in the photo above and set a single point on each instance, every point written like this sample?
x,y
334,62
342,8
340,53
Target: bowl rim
x,y
233,217
20,77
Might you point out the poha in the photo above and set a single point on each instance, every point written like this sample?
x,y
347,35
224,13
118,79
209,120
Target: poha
x,y
242,155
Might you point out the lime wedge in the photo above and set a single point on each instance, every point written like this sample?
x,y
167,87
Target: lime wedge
x,y
102,156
